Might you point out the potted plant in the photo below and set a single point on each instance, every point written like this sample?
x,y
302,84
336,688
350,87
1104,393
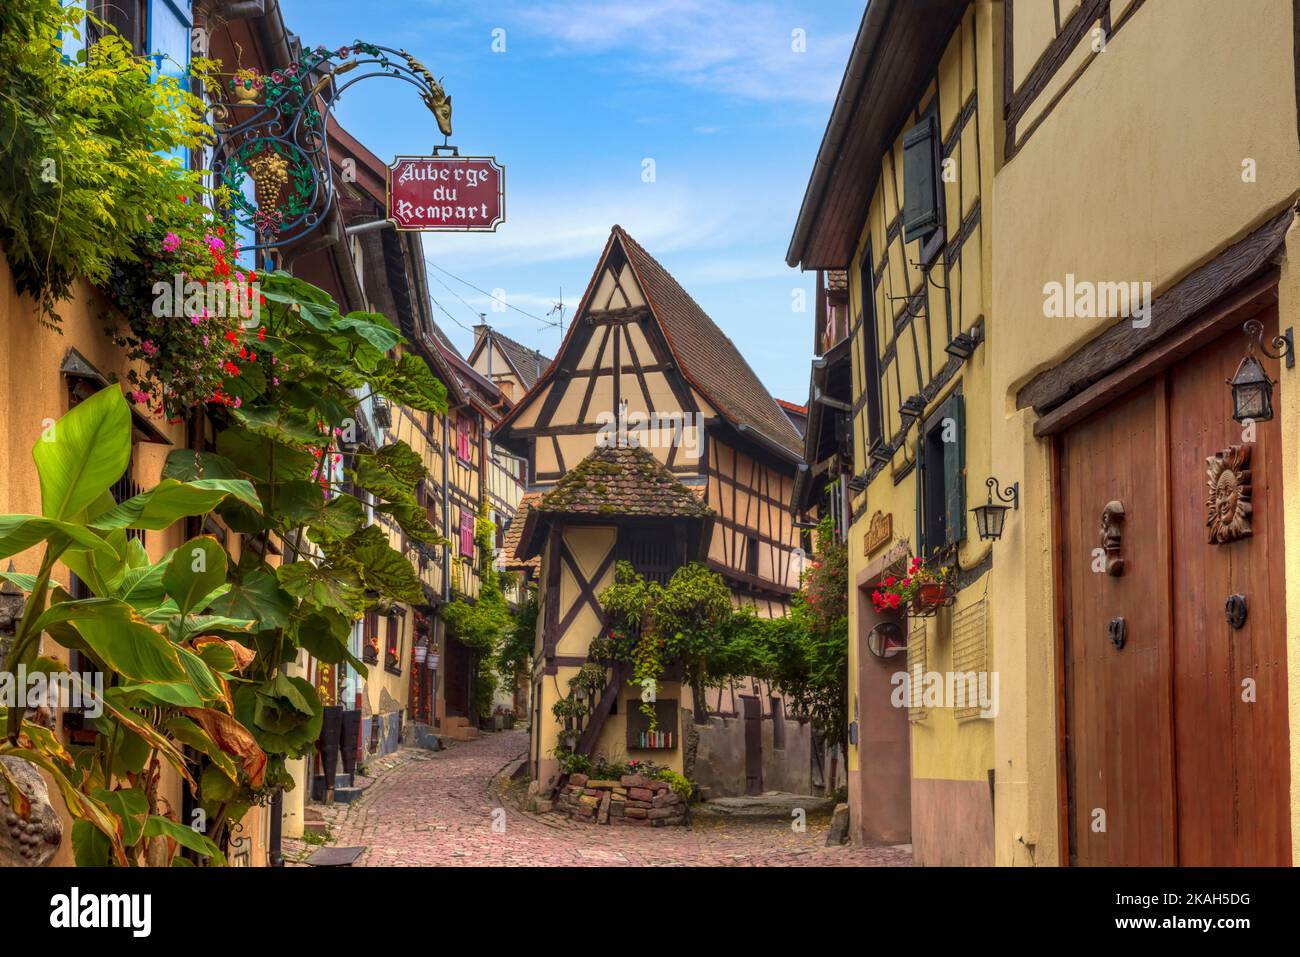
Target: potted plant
x,y
925,587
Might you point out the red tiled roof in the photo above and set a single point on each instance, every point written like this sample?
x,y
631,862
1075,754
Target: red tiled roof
x,y
515,531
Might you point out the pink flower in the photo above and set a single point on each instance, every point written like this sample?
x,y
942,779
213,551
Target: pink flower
x,y
139,398
148,347
215,245
238,402
171,242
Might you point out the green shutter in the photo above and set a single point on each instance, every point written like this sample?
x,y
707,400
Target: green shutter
x,y
954,473
920,182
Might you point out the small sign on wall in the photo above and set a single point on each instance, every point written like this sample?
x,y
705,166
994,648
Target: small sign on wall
x,y
879,532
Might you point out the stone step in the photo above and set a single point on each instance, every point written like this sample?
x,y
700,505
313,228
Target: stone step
x,y
347,795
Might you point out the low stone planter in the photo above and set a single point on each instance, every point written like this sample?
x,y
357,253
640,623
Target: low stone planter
x,y
634,800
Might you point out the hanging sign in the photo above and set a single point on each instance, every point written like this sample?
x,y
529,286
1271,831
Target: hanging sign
x,y
464,194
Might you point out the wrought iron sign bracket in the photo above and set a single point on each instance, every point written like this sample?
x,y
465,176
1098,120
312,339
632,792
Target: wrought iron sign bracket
x,y
273,131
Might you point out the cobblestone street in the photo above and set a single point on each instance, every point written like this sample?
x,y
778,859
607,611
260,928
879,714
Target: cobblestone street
x,y
437,809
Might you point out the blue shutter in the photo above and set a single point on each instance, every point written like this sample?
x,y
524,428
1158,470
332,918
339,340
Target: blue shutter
x,y
168,40
920,180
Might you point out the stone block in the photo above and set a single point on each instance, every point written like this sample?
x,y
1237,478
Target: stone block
x,y
578,780
602,783
646,805
637,812
839,830
588,800
659,813
640,794
602,814
634,780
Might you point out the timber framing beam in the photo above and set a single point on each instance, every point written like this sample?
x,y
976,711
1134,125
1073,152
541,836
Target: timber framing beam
x,y
1227,273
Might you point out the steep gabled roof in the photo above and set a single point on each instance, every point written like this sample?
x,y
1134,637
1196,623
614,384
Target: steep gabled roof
x,y
528,364
708,358
704,355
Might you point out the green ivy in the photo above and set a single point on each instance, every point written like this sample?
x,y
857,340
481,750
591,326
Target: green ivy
x,y
82,141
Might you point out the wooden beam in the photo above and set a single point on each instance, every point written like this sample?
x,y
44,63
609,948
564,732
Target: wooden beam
x,y
1226,273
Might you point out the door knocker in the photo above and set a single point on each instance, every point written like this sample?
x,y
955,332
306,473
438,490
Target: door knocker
x,y
1118,632
1234,610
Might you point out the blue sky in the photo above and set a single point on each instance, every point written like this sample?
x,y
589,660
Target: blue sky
x,y
711,90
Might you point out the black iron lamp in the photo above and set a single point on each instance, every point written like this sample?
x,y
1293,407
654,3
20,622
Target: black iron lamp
x,y
1252,389
913,407
990,517
963,344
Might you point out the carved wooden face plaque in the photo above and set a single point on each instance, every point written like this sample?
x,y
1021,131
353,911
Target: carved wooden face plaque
x,y
1228,504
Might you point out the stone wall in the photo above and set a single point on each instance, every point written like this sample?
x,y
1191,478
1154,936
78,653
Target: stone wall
x,y
632,800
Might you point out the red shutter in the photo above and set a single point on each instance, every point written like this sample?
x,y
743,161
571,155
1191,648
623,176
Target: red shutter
x,y
462,440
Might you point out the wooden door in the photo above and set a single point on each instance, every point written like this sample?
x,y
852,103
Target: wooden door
x,y
1230,687
1118,735
753,745
1176,742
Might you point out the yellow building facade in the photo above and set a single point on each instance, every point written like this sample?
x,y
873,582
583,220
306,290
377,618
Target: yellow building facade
x,y
1146,148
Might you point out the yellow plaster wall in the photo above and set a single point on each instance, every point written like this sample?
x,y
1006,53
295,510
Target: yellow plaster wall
x,y
1136,175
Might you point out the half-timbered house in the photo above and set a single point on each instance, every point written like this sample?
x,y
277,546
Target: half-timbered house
x,y
1041,332
642,365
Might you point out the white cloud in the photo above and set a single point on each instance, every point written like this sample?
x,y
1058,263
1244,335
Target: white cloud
x,y
742,49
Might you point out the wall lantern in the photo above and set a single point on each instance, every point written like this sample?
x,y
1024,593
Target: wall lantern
x,y
913,407
990,517
886,639
964,344
1252,389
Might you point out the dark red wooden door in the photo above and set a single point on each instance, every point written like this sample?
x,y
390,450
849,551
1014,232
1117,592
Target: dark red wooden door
x,y
1177,741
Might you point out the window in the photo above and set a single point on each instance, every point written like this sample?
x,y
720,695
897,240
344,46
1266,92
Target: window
x,y
466,533
127,17
392,647
941,486
870,350
167,41
751,555
922,193
370,638
463,440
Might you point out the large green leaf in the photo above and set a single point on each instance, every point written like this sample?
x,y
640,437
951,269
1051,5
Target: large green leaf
x,y
391,473
83,454
414,521
263,458
196,570
20,532
103,571
257,597
142,588
171,500
201,676
284,728
132,649
130,806
282,424
323,587
178,693
324,635
185,837
187,465
409,382
304,503
187,732
382,567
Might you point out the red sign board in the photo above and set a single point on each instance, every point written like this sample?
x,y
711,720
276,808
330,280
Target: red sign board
x,y
446,193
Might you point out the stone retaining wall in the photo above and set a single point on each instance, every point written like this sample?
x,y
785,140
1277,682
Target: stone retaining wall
x,y
633,799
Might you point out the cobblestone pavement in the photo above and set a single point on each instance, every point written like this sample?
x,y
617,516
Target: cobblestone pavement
x,y
437,809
